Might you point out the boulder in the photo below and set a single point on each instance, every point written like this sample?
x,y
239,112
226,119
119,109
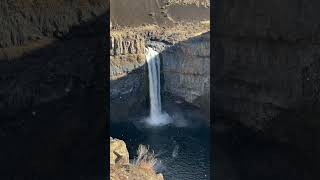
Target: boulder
x,y
118,152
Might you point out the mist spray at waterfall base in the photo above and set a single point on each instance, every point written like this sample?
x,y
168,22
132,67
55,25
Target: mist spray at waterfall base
x,y
156,117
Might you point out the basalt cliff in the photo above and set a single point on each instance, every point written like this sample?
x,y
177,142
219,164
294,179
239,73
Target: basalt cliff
x,y
184,46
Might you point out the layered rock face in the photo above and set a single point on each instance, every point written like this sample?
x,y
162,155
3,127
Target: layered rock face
x,y
127,54
127,72
266,62
186,70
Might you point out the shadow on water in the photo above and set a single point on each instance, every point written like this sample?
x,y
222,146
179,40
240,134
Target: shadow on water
x,y
53,107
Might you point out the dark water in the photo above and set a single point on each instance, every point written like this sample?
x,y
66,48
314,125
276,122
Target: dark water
x,y
183,147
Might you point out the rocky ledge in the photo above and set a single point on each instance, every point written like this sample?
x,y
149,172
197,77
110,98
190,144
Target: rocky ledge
x,y
121,168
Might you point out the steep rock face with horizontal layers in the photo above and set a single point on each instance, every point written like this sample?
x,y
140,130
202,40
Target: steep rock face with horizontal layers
x,y
127,53
186,70
266,58
127,72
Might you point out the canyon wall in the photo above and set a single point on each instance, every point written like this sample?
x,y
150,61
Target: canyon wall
x,y
167,26
185,56
128,77
266,66
186,70
156,22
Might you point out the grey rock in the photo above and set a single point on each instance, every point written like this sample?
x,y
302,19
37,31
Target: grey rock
x,y
186,70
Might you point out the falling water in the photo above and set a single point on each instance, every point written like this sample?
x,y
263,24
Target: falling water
x,y
157,117
153,61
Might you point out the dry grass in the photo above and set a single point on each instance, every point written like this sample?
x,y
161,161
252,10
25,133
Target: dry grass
x,y
145,159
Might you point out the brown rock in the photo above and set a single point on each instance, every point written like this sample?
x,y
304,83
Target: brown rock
x,y
118,152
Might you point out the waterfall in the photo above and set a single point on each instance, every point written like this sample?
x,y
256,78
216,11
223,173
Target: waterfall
x,y
153,61
157,117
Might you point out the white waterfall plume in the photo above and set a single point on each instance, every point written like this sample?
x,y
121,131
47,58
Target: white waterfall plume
x,y
157,117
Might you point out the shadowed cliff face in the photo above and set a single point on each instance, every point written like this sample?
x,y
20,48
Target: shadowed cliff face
x,y
52,90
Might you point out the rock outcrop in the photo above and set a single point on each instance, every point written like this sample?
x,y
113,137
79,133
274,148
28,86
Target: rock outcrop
x,y
121,169
118,152
127,72
127,53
